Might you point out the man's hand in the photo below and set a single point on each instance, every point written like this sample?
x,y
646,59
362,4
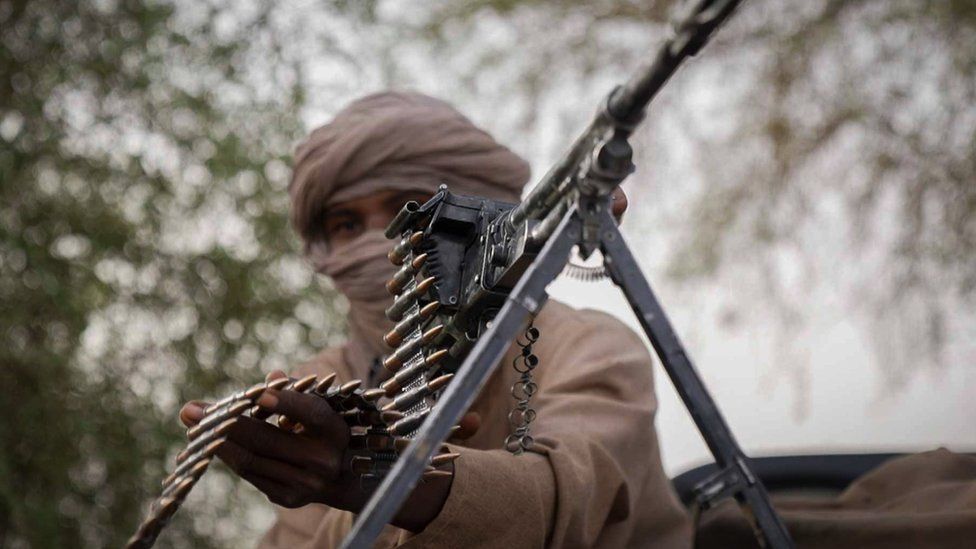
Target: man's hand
x,y
619,205
291,469
311,467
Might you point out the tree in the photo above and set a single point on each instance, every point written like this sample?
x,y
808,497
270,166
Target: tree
x,y
145,254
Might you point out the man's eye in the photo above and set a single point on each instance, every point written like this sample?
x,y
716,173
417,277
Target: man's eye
x,y
342,228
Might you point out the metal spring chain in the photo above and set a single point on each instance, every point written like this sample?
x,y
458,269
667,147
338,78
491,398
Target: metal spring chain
x,y
575,268
585,273
522,416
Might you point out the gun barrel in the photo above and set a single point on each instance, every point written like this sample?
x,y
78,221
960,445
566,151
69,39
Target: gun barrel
x,y
625,106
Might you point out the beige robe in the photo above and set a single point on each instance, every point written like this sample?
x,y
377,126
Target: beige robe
x,y
593,479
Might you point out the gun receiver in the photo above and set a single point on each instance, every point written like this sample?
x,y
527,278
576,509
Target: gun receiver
x,y
474,257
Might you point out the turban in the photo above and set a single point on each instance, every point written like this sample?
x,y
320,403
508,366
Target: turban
x,y
388,141
402,141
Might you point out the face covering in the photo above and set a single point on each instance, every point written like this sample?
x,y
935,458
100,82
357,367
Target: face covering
x,y
389,140
360,270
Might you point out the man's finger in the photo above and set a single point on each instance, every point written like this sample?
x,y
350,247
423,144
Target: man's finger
x,y
246,463
285,484
311,411
281,494
271,488
469,425
619,203
267,441
237,458
274,374
192,412
275,491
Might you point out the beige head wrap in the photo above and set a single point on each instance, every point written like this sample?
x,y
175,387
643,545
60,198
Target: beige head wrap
x,y
390,140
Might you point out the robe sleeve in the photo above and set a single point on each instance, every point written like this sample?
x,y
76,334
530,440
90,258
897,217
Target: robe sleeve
x,y
594,477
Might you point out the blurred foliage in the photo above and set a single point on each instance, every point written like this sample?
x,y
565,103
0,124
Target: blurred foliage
x,y
864,126
145,254
888,91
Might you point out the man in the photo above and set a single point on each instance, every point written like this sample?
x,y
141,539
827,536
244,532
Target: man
x,y
593,476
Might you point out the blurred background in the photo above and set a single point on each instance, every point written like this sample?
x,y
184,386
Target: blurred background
x,y
805,205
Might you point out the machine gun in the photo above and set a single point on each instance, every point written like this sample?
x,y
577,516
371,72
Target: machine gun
x,y
480,268
472,271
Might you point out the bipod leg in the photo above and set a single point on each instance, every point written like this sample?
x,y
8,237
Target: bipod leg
x,y
736,477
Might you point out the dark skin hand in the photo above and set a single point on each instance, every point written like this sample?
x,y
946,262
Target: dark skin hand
x,y
293,470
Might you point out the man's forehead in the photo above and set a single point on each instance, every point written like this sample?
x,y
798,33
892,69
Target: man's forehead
x,y
394,198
